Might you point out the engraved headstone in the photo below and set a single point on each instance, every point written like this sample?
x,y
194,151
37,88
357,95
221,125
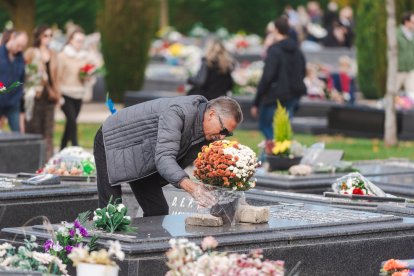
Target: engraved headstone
x,y
21,152
297,231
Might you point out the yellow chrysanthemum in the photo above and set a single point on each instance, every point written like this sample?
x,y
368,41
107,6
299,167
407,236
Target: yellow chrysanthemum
x,y
176,49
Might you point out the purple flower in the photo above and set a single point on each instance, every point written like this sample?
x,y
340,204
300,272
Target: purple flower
x,y
72,232
68,248
77,224
83,232
48,244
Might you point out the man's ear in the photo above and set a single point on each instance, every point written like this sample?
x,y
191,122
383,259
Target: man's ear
x,y
211,113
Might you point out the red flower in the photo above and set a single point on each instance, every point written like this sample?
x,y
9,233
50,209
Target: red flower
x,y
87,68
357,191
1,85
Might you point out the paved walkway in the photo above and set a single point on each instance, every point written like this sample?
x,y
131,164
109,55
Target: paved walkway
x,y
90,113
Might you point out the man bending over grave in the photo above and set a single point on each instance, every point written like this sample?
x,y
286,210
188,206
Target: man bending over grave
x,y
147,145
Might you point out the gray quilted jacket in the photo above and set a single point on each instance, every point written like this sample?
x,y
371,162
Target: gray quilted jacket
x,y
154,136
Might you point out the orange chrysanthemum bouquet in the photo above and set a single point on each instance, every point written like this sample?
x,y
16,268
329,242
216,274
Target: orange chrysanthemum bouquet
x,y
226,164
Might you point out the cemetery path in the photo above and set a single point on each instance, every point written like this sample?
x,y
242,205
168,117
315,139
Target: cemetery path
x,y
90,113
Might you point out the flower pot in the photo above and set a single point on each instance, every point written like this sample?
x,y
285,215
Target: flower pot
x,y
227,203
85,269
281,163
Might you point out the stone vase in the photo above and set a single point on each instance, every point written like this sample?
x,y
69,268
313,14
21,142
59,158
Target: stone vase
x,y
281,163
86,269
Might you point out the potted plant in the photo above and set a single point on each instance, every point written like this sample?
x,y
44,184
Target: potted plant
x,y
285,151
97,262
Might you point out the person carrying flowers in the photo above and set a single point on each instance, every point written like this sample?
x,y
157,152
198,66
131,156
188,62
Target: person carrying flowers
x,y
149,144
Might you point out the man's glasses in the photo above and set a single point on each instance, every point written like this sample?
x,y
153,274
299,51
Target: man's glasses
x,y
224,131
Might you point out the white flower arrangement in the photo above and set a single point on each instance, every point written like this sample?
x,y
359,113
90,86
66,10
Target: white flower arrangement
x,y
103,256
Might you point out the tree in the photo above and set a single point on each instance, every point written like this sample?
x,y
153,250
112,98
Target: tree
x,y
371,48
22,13
127,28
390,133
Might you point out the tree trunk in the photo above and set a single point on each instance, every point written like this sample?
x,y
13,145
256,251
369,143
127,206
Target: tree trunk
x,y
390,127
22,13
163,14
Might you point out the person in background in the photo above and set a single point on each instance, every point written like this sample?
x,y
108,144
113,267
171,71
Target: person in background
x,y
12,69
405,42
72,88
282,80
214,76
5,36
341,84
314,85
41,95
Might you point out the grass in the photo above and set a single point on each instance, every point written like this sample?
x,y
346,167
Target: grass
x,y
354,148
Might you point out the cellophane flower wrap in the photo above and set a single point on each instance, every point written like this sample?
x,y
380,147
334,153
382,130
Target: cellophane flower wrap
x,y
227,164
356,184
186,258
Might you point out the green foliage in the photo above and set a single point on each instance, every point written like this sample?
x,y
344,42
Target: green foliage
x,y
371,44
113,218
281,124
81,12
127,28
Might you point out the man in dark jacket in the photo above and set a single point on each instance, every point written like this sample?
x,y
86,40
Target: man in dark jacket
x,y
282,79
12,70
149,144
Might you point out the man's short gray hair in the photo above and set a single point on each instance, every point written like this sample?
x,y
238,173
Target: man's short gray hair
x,y
226,107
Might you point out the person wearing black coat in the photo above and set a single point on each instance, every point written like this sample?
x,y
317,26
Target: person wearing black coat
x,y
282,79
214,76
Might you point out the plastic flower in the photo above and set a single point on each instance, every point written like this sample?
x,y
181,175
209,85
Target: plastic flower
x,y
2,87
393,264
116,250
209,243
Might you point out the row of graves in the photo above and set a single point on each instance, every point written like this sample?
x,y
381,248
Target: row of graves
x,y
314,115
304,212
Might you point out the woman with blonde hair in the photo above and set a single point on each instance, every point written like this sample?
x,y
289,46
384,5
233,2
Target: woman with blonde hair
x,y
70,61
214,77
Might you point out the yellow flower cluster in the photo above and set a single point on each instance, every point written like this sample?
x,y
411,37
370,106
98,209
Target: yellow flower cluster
x,y
281,147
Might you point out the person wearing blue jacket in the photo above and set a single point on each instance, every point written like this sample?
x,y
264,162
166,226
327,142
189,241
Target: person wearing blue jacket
x,y
11,70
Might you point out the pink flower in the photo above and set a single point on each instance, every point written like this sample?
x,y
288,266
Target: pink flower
x,y
1,85
209,243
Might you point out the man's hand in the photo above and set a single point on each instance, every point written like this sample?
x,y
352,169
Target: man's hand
x,y
198,192
254,111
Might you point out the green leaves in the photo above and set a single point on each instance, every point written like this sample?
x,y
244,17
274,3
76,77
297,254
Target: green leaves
x,y
281,124
113,218
4,90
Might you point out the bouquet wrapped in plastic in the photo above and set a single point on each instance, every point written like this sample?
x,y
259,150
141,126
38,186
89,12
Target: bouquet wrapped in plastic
x,y
356,184
71,161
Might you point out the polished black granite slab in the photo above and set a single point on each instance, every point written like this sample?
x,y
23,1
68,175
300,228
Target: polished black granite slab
x,y
320,182
21,152
25,204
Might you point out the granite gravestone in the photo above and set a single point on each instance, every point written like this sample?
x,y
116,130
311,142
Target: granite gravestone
x,y
325,240
321,182
20,204
21,152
